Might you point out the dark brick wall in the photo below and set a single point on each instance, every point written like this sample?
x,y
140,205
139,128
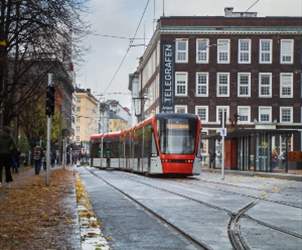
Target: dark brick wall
x,y
233,101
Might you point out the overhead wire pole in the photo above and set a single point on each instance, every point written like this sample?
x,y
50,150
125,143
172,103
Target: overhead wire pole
x,y
128,49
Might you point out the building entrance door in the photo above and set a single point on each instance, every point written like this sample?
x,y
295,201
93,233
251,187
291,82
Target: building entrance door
x,y
263,153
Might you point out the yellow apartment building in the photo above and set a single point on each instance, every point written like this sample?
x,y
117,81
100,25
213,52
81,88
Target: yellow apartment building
x,y
87,116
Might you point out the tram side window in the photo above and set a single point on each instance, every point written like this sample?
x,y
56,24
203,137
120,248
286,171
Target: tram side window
x,y
128,147
95,149
138,143
147,141
111,148
121,148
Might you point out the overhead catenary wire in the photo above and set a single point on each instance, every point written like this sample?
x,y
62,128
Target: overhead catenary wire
x,y
128,49
252,5
118,37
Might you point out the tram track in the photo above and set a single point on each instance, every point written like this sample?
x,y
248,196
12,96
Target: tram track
x,y
229,212
244,195
198,244
234,234
233,228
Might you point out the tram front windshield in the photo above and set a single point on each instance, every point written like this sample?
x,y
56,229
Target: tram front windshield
x,y
177,135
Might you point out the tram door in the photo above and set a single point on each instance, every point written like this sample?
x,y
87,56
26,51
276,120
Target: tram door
x,y
263,153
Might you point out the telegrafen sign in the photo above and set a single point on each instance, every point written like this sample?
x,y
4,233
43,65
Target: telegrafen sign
x,y
167,78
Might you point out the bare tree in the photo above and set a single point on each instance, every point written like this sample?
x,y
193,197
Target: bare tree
x,y
35,37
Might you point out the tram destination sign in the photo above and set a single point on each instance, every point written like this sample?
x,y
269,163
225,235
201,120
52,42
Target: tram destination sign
x,y
167,77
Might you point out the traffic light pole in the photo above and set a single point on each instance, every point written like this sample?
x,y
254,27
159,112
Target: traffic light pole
x,y
49,118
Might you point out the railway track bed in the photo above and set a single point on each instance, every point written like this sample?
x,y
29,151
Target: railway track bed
x,y
206,224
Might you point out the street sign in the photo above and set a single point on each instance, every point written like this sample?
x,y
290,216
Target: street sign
x,y
223,132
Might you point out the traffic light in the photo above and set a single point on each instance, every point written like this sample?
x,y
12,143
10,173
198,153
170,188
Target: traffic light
x,y
50,100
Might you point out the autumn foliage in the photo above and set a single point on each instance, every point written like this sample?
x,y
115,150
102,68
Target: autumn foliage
x,y
35,216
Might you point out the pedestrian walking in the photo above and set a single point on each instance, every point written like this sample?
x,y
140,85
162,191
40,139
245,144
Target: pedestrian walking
x,y
37,156
16,160
212,157
7,146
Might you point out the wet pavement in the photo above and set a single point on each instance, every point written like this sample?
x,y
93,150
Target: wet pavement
x,y
201,207
128,225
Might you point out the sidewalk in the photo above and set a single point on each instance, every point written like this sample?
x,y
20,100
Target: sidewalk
x,y
34,216
286,176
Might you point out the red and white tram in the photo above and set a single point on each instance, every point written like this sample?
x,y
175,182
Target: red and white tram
x,y
162,144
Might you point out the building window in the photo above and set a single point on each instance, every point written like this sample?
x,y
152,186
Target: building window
x,y
202,83
202,112
78,129
244,51
244,114
202,51
265,51
287,51
286,85
244,84
223,84
181,109
265,114
219,110
286,114
78,138
181,50
181,82
265,84
78,109
223,51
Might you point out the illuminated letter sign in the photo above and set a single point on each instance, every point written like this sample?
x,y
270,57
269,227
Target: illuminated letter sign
x,y
167,78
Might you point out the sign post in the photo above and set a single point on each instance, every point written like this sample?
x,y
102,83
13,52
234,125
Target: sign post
x,y
49,117
223,134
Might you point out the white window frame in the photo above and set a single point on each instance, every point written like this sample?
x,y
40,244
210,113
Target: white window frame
x,y
219,42
249,114
282,51
291,114
270,85
197,84
207,112
249,84
264,51
291,85
240,51
186,83
186,60
181,107
217,84
259,113
227,111
206,61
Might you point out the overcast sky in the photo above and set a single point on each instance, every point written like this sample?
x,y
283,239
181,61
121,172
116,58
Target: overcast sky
x,y
120,18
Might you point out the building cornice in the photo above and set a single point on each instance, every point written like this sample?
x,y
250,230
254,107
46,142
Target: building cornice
x,y
233,30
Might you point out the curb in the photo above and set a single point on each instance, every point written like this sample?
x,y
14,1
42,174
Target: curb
x,y
292,177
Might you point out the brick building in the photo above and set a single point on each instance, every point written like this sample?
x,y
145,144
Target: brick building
x,y
247,66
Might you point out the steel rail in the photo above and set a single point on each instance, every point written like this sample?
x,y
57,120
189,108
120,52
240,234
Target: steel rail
x,y
198,244
234,234
229,212
246,195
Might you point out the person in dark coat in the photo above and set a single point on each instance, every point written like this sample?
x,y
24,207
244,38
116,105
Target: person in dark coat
x,y
7,147
37,156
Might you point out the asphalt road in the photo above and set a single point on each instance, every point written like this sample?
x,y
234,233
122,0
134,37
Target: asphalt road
x,y
140,212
